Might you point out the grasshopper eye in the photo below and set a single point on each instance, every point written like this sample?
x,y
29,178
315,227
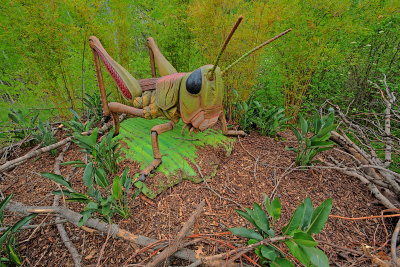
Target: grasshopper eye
x,y
193,82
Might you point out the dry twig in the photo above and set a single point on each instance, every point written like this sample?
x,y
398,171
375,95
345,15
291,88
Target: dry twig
x,y
174,246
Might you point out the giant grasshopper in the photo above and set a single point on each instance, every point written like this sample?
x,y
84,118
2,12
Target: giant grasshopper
x,y
195,97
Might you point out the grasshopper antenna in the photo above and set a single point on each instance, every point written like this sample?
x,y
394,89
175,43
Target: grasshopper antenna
x,y
255,49
210,75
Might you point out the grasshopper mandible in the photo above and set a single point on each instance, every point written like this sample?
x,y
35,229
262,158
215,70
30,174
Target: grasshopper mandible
x,y
195,97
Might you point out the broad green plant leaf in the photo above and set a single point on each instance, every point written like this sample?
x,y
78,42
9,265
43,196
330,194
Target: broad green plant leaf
x,y
101,177
244,232
295,220
303,125
282,262
276,208
88,175
306,217
117,188
269,252
260,218
304,239
320,216
298,252
317,256
57,178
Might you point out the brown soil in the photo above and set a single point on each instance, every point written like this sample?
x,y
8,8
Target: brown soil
x,y
244,177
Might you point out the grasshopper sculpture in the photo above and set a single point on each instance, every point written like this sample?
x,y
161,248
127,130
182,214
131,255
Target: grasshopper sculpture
x,y
195,97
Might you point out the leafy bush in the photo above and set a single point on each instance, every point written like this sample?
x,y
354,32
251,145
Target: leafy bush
x,y
114,201
253,115
76,125
23,125
103,155
9,238
307,148
94,109
45,135
297,233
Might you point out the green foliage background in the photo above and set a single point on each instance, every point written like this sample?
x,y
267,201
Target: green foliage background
x,y
334,49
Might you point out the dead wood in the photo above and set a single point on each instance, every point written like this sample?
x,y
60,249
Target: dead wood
x,y
12,163
60,227
393,246
115,232
174,246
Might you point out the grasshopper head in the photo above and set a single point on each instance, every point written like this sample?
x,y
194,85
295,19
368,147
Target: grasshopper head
x,y
201,97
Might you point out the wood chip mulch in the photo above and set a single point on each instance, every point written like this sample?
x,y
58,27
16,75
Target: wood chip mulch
x,y
244,177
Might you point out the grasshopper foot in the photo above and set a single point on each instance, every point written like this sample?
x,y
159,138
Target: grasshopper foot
x,y
106,119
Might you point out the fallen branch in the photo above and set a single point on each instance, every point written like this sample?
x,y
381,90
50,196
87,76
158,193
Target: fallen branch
x,y
174,246
12,163
115,232
393,246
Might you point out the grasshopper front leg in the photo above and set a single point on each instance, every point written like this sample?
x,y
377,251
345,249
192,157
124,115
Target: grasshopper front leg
x,y
225,130
155,132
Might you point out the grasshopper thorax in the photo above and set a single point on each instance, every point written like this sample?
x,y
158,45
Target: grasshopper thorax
x,y
201,98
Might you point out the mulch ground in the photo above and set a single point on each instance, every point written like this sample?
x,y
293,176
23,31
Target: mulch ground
x,y
253,170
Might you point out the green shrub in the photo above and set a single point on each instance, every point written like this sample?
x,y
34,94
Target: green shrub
x,y
297,233
9,240
308,147
251,114
102,198
22,125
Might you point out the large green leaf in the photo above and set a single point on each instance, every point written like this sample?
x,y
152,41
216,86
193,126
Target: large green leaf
x,y
281,262
307,212
246,216
303,125
296,133
269,252
260,218
298,252
317,256
13,256
244,232
57,178
320,216
296,219
101,177
117,188
88,175
276,208
304,239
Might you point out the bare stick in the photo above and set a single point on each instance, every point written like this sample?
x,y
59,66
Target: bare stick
x,y
393,246
104,245
182,233
10,164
